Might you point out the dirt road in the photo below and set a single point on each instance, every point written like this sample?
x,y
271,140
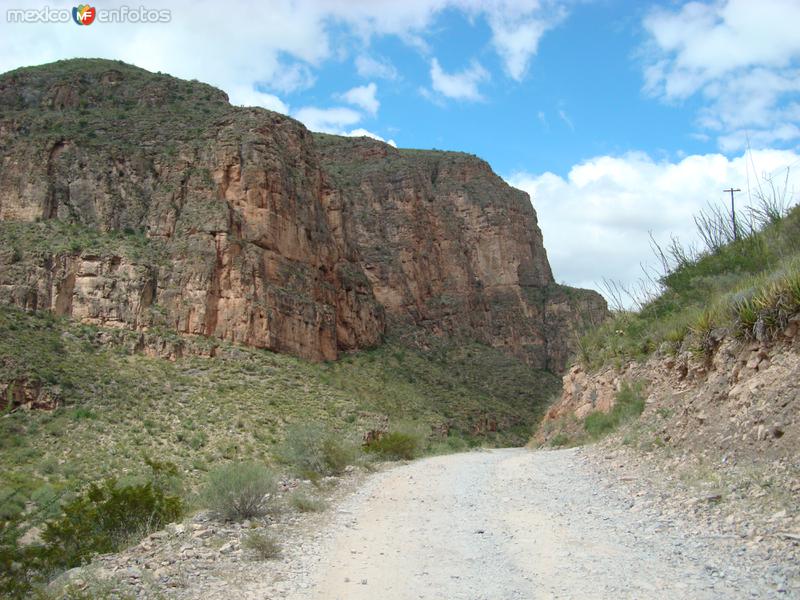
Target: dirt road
x,y
508,524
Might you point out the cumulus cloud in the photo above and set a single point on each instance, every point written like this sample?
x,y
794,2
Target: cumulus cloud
x,y
283,42
364,97
292,77
282,45
462,85
741,57
596,220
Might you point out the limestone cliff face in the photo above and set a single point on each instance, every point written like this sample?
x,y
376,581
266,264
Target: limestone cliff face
x,y
142,201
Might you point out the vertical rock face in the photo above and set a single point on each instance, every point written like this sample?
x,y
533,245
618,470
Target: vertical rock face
x,y
449,246
138,200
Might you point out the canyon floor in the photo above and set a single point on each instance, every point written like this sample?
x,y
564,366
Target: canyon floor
x,y
492,524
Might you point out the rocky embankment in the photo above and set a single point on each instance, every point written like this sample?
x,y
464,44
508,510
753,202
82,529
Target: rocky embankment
x,y
734,398
137,200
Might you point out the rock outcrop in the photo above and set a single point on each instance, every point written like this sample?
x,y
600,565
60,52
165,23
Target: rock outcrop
x,y
141,201
734,397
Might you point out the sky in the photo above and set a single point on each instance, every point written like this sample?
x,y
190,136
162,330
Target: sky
x,y
621,119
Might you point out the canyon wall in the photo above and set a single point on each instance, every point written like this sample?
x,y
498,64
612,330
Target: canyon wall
x,y
137,200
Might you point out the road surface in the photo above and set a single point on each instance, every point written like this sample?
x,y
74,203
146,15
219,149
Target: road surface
x,y
511,524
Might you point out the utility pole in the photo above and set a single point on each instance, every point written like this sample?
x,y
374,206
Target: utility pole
x,y
733,212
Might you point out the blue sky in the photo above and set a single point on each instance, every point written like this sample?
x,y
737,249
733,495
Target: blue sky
x,y
619,118
581,96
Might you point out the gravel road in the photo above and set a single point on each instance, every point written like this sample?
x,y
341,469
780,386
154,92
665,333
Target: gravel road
x,y
508,524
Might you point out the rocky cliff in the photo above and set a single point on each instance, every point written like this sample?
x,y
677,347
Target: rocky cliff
x,y
142,201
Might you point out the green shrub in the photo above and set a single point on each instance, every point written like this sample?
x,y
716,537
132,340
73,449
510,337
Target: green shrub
x,y
314,450
14,582
560,439
629,405
305,503
395,445
262,545
454,442
238,491
105,519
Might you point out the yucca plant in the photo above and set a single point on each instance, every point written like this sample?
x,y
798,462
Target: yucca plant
x,y
745,313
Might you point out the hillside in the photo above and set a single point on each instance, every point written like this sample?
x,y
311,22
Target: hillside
x,y
115,405
723,315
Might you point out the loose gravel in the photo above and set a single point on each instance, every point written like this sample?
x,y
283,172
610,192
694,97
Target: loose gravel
x,y
508,524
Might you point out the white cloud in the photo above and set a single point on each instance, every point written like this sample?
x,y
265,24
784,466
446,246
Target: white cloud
x,y
459,86
360,132
741,57
336,120
271,44
517,27
241,95
327,120
562,114
292,77
368,67
363,96
273,47
596,220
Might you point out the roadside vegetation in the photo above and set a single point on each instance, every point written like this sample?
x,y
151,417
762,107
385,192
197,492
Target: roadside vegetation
x,y
628,405
743,281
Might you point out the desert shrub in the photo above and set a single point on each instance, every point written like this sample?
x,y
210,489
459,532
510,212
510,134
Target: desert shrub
x,y
313,450
104,519
264,546
238,491
396,445
560,439
629,405
305,503
454,442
